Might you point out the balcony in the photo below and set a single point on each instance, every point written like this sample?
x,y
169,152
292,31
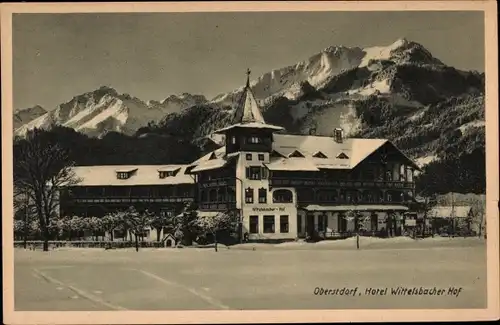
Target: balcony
x,y
217,182
124,199
215,206
286,182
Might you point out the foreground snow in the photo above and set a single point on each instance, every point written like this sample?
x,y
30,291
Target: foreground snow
x,y
346,244
201,279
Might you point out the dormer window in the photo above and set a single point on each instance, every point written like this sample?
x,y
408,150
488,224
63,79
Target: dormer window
x,y
319,154
342,156
168,172
125,173
212,156
296,154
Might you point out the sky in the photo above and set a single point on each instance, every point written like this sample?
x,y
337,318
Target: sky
x,y
154,55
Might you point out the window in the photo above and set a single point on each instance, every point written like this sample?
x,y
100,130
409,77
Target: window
x,y
231,194
254,172
388,175
296,154
342,223
389,197
233,139
374,222
249,156
204,195
342,156
254,224
164,174
264,173
221,195
282,196
122,175
249,195
261,157
322,222
268,224
212,195
319,154
262,195
254,140
283,224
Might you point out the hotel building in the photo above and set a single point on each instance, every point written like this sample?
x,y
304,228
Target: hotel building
x,y
283,186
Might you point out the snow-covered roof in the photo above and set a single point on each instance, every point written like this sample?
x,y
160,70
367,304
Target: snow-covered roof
x,y
171,168
355,149
449,211
209,164
292,164
125,169
357,207
144,175
251,125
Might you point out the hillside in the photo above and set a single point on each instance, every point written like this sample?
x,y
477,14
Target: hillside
x,y
433,112
105,110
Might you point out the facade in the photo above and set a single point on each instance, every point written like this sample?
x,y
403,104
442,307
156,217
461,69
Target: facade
x,y
282,186
164,190
293,186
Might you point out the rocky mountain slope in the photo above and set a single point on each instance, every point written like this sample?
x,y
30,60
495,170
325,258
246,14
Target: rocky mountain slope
x,y
400,92
26,115
105,110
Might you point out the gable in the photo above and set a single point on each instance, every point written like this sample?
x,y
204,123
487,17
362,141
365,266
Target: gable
x,y
388,151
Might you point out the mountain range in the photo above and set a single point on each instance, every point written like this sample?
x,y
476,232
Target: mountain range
x,y
400,91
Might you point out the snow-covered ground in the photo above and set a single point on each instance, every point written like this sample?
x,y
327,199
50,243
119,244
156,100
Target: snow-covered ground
x,y
275,278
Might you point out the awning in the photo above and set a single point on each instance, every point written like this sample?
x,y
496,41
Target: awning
x,y
315,207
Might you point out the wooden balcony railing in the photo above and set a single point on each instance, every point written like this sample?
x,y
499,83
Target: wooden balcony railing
x,y
340,184
217,182
217,206
125,199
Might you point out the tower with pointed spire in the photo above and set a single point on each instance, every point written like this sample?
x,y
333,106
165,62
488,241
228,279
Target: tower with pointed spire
x,y
248,131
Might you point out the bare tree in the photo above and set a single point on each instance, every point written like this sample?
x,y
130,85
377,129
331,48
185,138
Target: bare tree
x,y
41,169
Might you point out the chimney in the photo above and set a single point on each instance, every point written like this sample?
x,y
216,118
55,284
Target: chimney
x,y
338,135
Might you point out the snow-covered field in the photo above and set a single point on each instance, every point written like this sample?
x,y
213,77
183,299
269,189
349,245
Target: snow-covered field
x,y
254,276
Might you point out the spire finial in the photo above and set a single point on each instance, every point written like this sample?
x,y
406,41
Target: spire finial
x,y
248,77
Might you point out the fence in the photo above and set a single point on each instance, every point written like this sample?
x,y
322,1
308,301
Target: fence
x,y
38,244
